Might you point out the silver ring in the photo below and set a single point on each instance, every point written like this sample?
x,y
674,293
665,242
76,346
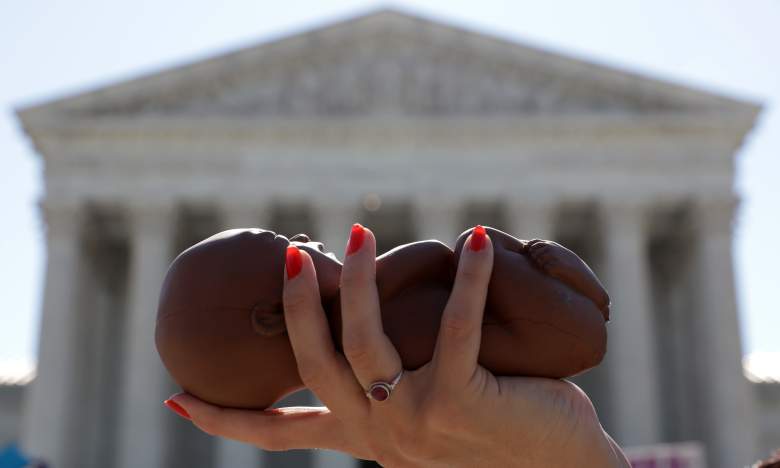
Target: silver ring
x,y
380,391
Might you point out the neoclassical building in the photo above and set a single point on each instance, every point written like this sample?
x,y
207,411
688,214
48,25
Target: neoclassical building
x,y
419,130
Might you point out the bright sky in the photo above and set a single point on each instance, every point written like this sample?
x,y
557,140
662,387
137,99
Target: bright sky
x,y
50,48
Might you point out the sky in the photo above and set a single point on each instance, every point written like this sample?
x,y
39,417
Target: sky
x,y
53,48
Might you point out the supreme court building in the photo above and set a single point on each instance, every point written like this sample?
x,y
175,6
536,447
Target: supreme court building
x,y
419,130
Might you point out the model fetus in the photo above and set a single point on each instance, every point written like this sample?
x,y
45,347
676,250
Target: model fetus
x,y
221,331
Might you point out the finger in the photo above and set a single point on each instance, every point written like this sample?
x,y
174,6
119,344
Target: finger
x,y
369,351
322,369
457,347
273,429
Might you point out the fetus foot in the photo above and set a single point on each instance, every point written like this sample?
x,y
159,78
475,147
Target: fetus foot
x,y
564,265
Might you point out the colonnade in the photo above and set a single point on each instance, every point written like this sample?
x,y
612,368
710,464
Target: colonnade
x,y
631,364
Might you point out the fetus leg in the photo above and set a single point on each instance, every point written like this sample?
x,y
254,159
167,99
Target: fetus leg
x,y
564,265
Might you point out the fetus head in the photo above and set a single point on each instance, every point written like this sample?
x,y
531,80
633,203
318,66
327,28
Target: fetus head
x,y
220,322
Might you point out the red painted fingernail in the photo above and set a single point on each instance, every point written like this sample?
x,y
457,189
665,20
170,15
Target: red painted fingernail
x,y
478,236
176,408
294,261
356,237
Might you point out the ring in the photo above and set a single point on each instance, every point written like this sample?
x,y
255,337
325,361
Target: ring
x,y
380,391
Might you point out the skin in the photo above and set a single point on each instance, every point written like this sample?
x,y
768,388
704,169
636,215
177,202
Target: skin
x,y
450,412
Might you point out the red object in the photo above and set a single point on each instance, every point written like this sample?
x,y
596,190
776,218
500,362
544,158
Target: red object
x,y
478,238
176,408
356,238
379,393
294,261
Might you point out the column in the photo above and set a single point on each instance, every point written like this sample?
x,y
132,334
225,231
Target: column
x,y
142,424
532,218
727,401
334,221
47,419
634,411
231,454
438,218
239,214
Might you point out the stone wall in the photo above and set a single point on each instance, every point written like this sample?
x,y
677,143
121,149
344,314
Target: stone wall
x,y
10,412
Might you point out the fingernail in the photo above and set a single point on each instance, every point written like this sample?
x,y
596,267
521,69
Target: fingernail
x,y
478,236
176,408
356,237
294,261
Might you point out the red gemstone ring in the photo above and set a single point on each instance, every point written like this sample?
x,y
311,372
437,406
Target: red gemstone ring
x,y
380,391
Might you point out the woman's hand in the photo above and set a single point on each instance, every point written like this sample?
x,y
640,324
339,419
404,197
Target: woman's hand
x,y
451,412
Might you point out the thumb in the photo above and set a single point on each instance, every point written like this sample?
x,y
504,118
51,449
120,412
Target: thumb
x,y
272,429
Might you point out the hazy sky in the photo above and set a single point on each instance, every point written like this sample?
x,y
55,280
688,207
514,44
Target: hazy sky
x,y
51,48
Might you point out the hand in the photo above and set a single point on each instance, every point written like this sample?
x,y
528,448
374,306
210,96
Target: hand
x,y
451,412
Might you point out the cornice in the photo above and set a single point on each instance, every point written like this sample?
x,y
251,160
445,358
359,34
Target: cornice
x,y
324,133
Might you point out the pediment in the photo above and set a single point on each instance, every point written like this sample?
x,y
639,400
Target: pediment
x,y
386,63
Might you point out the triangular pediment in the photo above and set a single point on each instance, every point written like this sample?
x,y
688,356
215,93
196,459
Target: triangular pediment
x,y
387,63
